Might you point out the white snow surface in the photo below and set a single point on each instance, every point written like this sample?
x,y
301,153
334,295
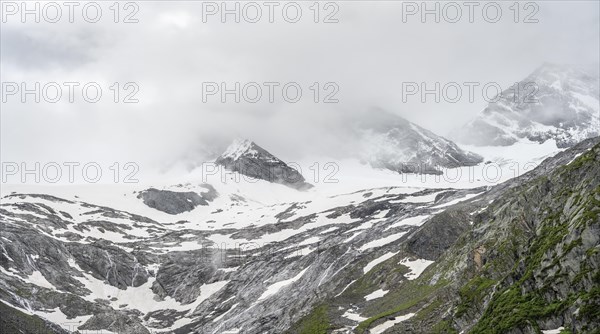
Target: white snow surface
x,y
350,314
377,261
253,203
416,267
376,294
275,287
237,148
390,323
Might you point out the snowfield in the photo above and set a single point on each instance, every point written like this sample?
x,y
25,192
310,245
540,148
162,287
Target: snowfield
x,y
252,232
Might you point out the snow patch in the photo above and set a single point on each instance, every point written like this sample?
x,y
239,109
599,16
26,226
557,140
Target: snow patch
x,y
390,323
416,267
275,287
376,294
377,261
382,241
349,314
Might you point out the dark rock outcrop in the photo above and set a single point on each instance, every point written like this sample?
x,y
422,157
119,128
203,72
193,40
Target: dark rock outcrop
x,y
175,202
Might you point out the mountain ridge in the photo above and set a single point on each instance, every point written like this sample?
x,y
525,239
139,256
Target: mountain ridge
x,y
392,142
557,102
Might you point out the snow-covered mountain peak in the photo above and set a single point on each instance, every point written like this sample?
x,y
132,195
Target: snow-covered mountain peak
x,y
392,142
554,102
550,73
237,148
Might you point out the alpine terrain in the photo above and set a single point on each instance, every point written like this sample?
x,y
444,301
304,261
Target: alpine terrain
x,y
419,236
555,102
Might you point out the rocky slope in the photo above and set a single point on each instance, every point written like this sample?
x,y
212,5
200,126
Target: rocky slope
x,y
523,258
392,142
395,259
554,102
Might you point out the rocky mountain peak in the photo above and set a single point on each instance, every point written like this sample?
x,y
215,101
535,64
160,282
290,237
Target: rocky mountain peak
x,y
392,142
247,158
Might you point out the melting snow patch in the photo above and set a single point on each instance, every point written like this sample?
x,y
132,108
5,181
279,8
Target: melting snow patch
x,y
352,237
376,294
377,261
225,313
328,230
553,331
416,267
38,279
382,241
309,241
390,323
232,331
275,287
347,286
300,252
381,214
142,297
458,200
349,314
56,316
575,158
414,221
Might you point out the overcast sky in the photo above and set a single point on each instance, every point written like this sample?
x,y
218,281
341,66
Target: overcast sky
x,y
170,52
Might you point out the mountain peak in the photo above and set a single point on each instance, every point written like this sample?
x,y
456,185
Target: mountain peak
x,y
237,148
392,142
559,102
247,158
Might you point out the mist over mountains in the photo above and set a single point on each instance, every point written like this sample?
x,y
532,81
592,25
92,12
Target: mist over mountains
x,y
277,177
555,102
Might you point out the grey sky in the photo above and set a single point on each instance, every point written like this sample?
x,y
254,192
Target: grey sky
x,y
170,52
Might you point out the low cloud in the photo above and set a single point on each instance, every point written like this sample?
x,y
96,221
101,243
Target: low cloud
x,y
367,55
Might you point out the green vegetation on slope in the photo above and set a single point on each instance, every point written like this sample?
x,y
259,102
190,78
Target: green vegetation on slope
x,y
316,322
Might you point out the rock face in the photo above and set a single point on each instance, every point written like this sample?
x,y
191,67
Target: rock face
x,y
390,141
554,102
247,158
174,202
518,257
131,274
